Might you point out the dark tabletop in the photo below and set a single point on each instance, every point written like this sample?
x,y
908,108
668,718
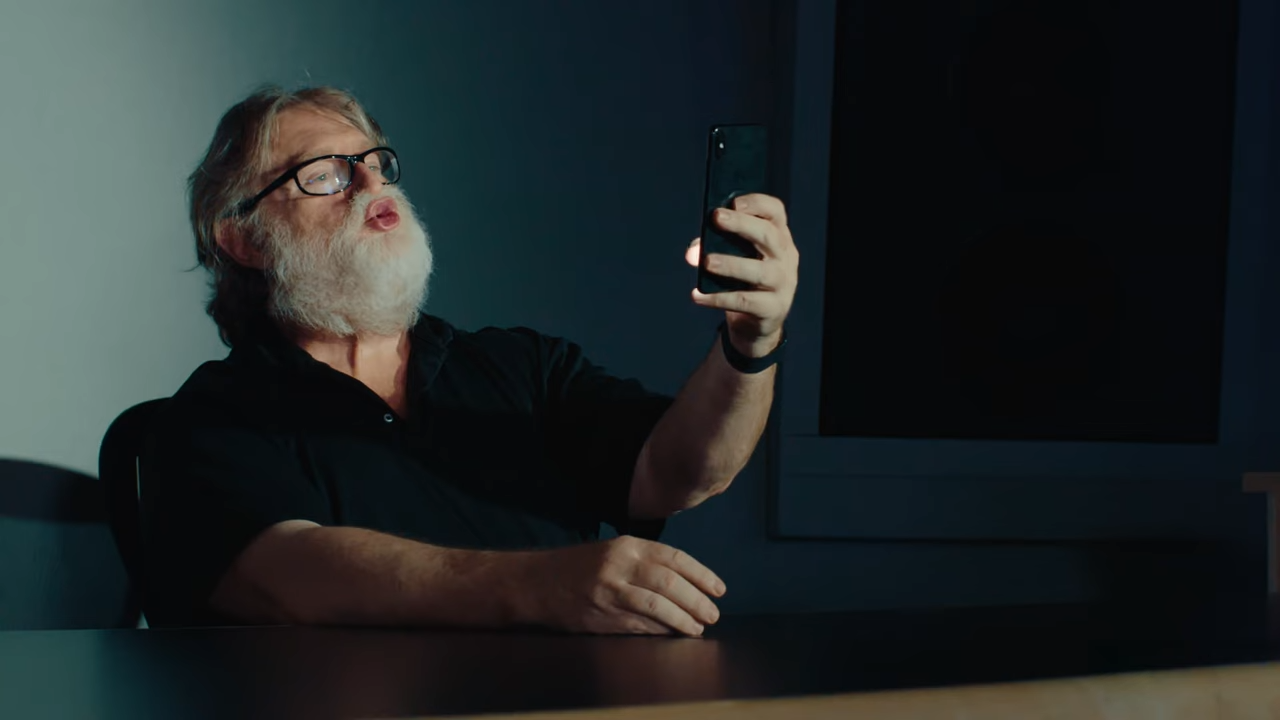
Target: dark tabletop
x,y
338,673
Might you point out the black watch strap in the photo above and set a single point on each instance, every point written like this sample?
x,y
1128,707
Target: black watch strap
x,y
749,365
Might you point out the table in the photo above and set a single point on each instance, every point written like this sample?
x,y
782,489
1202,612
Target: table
x,y
282,672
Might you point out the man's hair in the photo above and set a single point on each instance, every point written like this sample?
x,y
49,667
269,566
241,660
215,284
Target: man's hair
x,y
226,177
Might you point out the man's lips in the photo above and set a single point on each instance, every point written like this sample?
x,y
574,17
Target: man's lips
x,y
382,214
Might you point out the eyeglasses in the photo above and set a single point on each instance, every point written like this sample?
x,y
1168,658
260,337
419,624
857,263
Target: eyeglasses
x,y
330,174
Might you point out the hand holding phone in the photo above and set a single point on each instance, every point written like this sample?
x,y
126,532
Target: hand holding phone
x,y
737,164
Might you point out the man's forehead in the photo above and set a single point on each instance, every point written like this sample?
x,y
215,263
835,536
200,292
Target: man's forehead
x,y
302,133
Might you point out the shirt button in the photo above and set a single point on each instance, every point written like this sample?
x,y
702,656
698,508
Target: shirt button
x,y
388,418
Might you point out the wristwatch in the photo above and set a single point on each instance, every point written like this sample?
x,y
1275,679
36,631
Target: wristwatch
x,y
749,365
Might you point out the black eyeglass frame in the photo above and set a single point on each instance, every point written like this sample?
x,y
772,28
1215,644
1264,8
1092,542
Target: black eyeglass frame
x,y
247,206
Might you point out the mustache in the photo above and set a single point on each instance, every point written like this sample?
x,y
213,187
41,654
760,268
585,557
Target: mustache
x,y
359,203
336,244
349,234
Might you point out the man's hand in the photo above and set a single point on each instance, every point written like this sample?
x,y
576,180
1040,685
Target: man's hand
x,y
754,316
623,586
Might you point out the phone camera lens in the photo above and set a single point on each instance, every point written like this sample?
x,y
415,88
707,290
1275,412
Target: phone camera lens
x,y
717,140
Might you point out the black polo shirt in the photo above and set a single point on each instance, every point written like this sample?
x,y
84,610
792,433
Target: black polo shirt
x,y
514,440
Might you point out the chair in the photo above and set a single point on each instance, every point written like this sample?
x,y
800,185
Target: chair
x,y
122,485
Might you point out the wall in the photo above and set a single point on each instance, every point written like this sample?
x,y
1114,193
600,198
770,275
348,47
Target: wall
x,y
556,153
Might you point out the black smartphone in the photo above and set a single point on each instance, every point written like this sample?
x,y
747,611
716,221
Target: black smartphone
x,y
737,164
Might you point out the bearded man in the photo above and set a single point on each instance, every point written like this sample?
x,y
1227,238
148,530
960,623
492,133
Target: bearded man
x,y
357,461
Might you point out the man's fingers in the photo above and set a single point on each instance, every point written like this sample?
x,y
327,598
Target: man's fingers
x,y
765,206
636,624
695,572
758,303
654,606
758,231
691,253
760,273
673,586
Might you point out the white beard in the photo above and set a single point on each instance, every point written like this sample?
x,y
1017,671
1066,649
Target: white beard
x,y
350,282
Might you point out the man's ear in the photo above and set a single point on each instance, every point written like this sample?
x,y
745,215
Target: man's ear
x,y
231,237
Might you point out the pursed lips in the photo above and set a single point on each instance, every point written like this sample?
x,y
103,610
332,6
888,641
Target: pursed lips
x,y
382,215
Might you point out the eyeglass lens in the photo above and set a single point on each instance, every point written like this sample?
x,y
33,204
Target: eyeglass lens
x,y
332,175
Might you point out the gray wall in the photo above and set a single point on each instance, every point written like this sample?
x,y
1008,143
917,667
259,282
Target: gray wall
x,y
555,150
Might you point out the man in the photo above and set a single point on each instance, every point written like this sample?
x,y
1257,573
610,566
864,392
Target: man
x,y
356,461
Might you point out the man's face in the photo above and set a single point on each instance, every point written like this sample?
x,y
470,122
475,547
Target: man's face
x,y
354,262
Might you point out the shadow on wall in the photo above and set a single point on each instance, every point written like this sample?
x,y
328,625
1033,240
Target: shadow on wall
x,y
35,491
59,568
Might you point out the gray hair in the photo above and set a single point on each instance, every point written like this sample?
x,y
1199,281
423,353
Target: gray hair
x,y
239,153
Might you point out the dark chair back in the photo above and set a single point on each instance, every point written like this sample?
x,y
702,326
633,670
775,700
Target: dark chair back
x,y
118,471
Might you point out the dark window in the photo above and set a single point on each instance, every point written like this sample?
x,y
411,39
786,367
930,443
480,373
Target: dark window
x,y
1028,220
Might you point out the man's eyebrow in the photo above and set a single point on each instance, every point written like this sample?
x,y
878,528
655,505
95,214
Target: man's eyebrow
x,y
296,158
291,161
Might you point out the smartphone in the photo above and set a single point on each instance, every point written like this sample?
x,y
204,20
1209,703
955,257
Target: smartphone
x,y
737,164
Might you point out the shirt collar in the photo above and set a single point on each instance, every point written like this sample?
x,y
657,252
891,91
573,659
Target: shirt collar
x,y
268,346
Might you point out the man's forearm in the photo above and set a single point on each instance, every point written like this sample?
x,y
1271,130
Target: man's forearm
x,y
704,440
348,576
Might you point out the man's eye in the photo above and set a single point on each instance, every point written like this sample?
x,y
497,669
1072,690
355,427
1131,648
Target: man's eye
x,y
322,177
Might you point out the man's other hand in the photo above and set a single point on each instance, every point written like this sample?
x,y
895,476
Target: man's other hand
x,y
623,586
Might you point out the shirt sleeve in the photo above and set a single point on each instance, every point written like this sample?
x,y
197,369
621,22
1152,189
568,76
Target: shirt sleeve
x,y
208,487
598,424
